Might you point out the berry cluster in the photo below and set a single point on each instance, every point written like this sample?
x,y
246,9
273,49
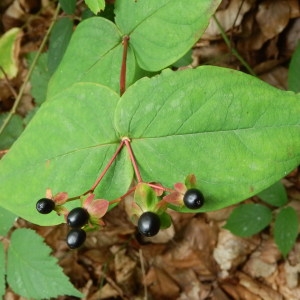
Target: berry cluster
x,y
149,204
76,219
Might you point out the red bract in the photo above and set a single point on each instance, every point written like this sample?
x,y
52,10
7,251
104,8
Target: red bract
x,y
96,208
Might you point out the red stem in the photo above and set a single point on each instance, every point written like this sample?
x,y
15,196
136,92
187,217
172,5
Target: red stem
x,y
159,187
91,190
123,66
123,196
133,161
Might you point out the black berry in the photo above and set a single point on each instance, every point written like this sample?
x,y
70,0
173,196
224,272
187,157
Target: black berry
x,y
76,238
149,223
77,217
45,206
193,199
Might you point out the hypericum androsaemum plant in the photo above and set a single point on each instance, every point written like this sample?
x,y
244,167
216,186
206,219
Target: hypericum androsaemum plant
x,y
105,124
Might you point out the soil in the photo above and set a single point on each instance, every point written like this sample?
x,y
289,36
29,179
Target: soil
x,y
195,258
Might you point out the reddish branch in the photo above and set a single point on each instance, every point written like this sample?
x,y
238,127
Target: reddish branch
x,y
123,66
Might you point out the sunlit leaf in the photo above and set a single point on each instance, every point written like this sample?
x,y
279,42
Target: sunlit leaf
x,y
9,49
238,137
95,5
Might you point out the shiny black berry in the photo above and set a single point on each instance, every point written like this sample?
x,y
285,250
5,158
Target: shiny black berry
x,y
77,217
193,199
45,206
149,223
76,238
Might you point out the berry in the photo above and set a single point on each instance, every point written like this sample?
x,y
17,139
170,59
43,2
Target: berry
x,y
76,238
149,223
77,217
193,199
45,206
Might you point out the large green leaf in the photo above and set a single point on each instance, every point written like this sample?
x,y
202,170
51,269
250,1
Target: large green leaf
x,y
39,78
32,272
162,31
235,132
2,270
94,55
238,138
12,131
64,148
58,42
6,221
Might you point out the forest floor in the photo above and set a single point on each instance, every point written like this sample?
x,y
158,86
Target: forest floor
x,y
196,258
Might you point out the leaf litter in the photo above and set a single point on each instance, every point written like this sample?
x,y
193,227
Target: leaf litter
x,y
196,258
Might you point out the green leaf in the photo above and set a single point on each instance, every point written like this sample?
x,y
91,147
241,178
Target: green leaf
x,y
161,32
184,60
95,5
101,63
274,195
59,39
11,132
68,6
79,141
237,134
145,197
6,221
2,270
286,229
9,49
32,272
39,78
248,219
294,71
165,220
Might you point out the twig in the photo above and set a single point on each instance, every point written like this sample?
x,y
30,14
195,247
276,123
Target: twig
x,y
20,94
233,50
236,17
144,274
11,88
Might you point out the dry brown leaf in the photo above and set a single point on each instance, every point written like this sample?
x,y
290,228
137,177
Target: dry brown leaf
x,y
232,250
272,17
160,284
229,17
257,288
238,292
